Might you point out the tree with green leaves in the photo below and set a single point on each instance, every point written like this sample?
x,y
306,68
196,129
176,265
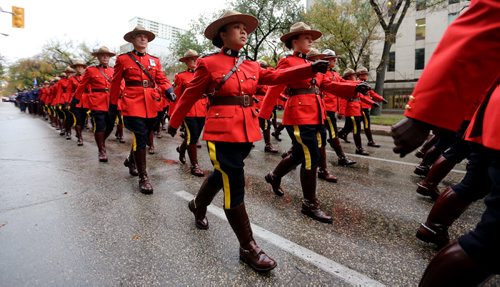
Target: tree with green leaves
x,y
23,72
348,27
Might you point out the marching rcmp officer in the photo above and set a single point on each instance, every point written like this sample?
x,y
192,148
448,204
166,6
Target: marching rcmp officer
x,y
61,88
303,118
80,114
69,117
331,106
139,100
97,81
362,74
195,118
440,101
231,123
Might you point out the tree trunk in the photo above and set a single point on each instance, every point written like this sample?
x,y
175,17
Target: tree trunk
x,y
381,69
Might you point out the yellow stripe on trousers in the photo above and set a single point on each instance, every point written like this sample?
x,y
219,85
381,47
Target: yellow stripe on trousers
x,y
354,126
225,179
188,133
307,155
94,127
330,125
134,142
365,120
74,118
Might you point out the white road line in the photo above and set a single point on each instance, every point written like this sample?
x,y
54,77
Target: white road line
x,y
336,269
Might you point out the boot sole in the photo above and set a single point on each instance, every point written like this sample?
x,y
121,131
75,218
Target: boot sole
x,y
421,235
146,191
202,227
262,270
310,215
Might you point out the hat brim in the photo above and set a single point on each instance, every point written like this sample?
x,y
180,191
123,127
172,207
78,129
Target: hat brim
x,y
111,54
184,59
250,22
314,33
130,35
76,65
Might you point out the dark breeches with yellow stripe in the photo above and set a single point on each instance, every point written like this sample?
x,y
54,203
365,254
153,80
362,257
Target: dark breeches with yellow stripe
x,y
366,118
193,126
331,124
227,159
81,115
140,128
101,121
352,124
264,124
306,141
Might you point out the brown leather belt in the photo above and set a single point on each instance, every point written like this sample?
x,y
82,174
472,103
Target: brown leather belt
x,y
105,90
302,91
354,100
244,101
143,83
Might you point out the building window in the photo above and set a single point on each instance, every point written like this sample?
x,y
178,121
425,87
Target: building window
x,y
421,5
453,1
419,59
391,65
420,29
452,16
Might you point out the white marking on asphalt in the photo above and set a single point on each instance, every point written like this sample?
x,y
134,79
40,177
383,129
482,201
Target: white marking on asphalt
x,y
336,269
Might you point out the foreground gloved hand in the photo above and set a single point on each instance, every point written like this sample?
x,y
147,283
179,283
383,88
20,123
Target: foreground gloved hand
x,y
409,134
320,66
363,88
169,93
171,131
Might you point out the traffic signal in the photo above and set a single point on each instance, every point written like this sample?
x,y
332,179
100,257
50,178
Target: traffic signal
x,y
17,17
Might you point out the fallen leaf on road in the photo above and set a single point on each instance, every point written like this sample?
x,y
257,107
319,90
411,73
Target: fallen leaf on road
x,y
136,237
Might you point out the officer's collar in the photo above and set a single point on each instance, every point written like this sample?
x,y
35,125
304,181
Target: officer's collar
x,y
332,70
230,52
300,54
138,53
102,66
190,70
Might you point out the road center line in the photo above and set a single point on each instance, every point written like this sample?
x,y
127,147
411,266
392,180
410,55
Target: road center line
x,y
336,269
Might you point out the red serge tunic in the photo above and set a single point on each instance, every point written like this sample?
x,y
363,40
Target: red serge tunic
x,y
232,123
462,69
181,82
62,90
304,109
140,97
97,86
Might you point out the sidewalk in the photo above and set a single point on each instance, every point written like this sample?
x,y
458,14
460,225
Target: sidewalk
x,y
381,130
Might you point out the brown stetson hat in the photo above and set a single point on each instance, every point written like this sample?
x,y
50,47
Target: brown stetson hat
x,y
78,62
188,55
103,50
297,29
69,70
348,72
314,54
230,16
139,30
361,71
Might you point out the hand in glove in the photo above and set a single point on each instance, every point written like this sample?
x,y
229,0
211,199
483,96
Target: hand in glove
x,y
320,66
171,131
169,93
363,88
409,134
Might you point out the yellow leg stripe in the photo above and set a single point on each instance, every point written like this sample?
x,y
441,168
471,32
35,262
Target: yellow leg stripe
x,y
188,133
265,125
307,155
74,119
225,179
354,126
318,138
134,142
365,119
330,126
94,125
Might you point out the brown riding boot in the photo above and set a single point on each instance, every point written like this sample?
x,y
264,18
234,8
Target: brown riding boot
x,y
274,177
429,158
310,204
453,267
323,171
119,133
250,252
343,160
130,163
193,157
198,205
151,143
101,146
369,136
429,142
267,140
448,208
182,152
438,171
78,130
144,183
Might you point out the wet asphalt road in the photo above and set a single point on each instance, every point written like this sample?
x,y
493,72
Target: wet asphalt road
x,y
68,220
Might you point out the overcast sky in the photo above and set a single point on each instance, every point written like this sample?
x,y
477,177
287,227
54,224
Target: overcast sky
x,y
92,21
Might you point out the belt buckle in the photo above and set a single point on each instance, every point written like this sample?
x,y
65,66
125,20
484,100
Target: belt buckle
x,y
246,100
145,83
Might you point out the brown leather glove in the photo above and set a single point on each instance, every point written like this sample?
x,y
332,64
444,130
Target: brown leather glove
x,y
409,134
